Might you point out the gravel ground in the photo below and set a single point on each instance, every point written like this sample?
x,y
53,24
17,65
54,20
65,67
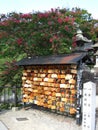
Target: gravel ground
x,y
37,120
33,119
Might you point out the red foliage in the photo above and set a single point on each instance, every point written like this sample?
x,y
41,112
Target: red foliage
x,y
19,41
60,21
26,16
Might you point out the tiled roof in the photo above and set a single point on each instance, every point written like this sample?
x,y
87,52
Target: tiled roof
x,y
52,59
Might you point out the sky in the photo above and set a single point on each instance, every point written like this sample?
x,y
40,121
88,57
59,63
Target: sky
x,y
28,6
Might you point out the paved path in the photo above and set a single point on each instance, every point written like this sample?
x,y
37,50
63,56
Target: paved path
x,y
33,119
2,126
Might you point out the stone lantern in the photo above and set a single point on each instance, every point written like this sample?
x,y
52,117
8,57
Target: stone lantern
x,y
96,59
83,44
95,46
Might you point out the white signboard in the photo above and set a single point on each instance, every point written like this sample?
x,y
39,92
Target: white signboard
x,y
89,101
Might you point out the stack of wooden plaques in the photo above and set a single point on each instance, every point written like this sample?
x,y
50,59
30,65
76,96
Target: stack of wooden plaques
x,y
53,87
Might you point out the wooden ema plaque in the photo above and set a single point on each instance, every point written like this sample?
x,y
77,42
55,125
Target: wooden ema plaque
x,y
52,87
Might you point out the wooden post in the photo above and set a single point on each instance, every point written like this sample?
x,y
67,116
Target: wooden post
x,y
15,96
15,108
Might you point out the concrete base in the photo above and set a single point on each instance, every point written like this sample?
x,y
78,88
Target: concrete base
x,y
14,108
